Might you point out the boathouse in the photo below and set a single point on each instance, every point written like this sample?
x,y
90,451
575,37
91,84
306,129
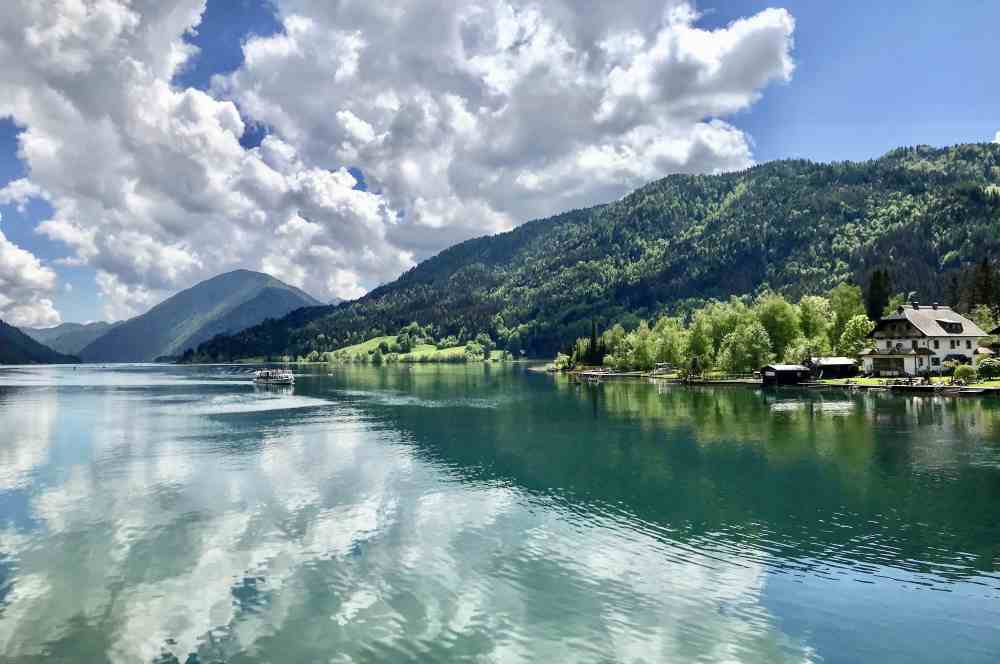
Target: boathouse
x,y
833,367
784,374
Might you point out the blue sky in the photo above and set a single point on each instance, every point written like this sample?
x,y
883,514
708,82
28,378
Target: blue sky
x,y
869,77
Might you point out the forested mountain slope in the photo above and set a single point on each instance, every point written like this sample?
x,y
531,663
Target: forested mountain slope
x,y
16,347
226,303
69,338
924,214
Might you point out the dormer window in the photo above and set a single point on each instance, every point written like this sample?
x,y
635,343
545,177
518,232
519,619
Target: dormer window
x,y
950,326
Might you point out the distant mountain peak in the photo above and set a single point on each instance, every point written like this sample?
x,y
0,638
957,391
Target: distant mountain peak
x,y
225,303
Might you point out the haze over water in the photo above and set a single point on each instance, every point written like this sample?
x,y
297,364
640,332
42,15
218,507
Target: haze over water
x,y
470,513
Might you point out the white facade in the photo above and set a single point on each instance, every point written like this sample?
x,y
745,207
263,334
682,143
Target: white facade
x,y
920,339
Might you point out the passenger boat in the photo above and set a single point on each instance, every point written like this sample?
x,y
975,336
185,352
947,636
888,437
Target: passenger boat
x,y
274,376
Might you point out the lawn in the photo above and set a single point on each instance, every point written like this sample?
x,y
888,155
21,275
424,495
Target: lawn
x,y
421,353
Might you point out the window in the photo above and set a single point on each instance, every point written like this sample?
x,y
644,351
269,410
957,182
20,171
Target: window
x,y
921,361
888,345
968,343
937,344
914,344
936,361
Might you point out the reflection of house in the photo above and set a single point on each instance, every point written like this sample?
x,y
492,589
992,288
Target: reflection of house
x,y
785,374
920,339
834,367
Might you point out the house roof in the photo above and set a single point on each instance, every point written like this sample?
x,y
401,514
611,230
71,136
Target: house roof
x,y
929,319
786,367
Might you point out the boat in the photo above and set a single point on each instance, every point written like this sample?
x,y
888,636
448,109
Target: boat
x,y
274,376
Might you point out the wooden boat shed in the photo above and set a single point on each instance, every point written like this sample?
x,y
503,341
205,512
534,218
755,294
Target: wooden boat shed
x,y
785,374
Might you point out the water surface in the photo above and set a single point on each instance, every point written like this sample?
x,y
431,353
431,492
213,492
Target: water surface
x,y
439,513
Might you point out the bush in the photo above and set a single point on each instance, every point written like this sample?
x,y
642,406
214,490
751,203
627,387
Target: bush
x,y
989,368
965,373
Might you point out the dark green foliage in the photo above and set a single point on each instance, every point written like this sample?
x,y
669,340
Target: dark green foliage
x,y
989,368
925,215
16,347
878,294
984,284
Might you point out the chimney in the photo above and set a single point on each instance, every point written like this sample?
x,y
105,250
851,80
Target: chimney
x,y
915,304
934,306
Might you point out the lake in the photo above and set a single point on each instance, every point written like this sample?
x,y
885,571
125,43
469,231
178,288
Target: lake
x,y
471,513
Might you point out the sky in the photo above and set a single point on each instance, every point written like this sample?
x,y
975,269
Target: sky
x,y
146,145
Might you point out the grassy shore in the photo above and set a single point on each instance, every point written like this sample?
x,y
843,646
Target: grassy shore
x,y
422,353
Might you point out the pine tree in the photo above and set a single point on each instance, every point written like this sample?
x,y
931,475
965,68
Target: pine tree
x,y
879,292
594,350
983,291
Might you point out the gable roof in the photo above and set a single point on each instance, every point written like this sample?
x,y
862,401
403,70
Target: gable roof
x,y
786,367
930,319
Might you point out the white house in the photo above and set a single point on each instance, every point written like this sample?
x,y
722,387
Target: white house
x,y
919,339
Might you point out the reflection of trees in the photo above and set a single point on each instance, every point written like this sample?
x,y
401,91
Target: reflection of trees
x,y
225,532
865,477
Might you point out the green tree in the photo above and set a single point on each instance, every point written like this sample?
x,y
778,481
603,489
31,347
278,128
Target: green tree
x,y
780,318
983,316
879,291
965,373
746,349
804,348
642,347
846,303
989,368
816,316
893,305
514,345
613,339
377,357
700,339
671,341
855,336
486,342
984,285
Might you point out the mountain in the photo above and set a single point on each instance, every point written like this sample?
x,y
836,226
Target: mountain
x,y
16,347
69,338
224,304
924,214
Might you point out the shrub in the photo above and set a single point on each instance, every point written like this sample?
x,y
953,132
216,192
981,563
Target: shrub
x,y
989,368
965,373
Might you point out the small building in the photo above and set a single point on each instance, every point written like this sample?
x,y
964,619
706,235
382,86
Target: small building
x,y
920,339
834,367
785,374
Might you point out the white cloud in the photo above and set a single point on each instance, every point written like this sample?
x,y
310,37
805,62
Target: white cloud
x,y
20,192
471,120
996,139
24,282
464,120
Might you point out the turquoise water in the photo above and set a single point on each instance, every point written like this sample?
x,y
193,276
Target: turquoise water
x,y
437,513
